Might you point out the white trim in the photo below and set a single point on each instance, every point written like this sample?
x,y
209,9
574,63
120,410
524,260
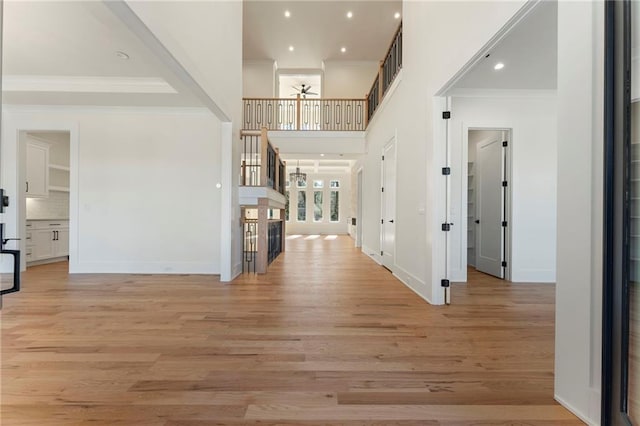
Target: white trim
x,y
493,42
103,109
408,279
392,143
191,268
360,201
226,202
466,127
372,254
122,10
249,196
576,412
50,83
436,186
502,93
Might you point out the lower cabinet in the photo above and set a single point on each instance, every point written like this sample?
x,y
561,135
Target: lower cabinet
x,y
47,240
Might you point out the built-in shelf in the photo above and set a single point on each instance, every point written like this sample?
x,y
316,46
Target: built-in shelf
x,y
59,188
59,167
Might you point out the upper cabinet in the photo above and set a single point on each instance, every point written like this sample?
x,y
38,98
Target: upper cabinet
x,y
37,182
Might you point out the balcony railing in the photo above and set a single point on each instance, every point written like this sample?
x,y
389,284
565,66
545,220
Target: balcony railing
x,y
389,69
260,249
261,164
326,114
305,114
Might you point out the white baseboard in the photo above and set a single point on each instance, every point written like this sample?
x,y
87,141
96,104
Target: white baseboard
x,y
414,283
161,268
577,412
373,254
236,272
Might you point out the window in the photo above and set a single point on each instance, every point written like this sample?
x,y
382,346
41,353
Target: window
x,y
335,184
335,206
302,206
317,206
301,182
318,184
286,205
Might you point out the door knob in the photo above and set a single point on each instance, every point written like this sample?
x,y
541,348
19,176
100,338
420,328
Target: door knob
x,y
391,221
477,220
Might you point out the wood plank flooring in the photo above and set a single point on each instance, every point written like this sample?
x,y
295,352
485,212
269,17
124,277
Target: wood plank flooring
x,y
326,338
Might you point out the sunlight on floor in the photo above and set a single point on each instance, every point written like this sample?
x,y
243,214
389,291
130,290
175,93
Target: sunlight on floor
x,y
330,237
312,237
293,237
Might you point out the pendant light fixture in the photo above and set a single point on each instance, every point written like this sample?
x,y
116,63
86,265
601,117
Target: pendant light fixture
x,y
298,176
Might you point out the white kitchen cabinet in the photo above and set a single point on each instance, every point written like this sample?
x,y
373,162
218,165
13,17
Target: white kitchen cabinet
x,y
42,244
61,242
47,240
37,176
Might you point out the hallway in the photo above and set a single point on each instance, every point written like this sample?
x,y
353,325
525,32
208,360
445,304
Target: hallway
x,y
327,337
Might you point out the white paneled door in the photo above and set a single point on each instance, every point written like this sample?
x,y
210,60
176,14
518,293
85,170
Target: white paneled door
x,y
490,207
388,239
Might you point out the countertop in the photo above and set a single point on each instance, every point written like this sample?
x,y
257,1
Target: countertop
x,y
51,218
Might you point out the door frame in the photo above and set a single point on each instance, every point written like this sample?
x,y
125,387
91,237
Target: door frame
x,y
359,197
18,210
466,127
390,141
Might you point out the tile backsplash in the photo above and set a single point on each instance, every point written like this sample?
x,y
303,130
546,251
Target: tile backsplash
x,y
56,206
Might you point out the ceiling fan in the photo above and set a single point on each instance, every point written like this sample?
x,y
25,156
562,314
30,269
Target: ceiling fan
x,y
303,91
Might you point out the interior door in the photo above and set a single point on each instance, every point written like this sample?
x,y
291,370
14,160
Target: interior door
x,y
389,205
359,212
489,207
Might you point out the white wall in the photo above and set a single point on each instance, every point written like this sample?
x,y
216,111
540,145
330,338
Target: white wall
x,y
143,196
410,114
532,180
580,158
349,79
206,39
324,227
258,79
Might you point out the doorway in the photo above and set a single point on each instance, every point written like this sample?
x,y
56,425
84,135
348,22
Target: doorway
x,y
44,184
359,209
388,222
488,201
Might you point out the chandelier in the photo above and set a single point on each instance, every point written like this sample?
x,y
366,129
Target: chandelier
x,y
298,176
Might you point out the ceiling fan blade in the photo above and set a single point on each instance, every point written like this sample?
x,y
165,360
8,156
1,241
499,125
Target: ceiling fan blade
x,y
295,88
307,88
310,93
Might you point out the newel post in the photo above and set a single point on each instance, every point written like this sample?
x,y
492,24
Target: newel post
x,y
262,258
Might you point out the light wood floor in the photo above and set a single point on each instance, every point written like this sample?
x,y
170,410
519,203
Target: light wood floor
x,y
327,337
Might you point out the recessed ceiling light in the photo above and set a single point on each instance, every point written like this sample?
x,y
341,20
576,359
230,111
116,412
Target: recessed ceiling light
x,y
349,14
291,49
344,49
122,55
321,155
287,14
498,66
397,15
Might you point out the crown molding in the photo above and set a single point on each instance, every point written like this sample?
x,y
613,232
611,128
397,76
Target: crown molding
x,y
44,83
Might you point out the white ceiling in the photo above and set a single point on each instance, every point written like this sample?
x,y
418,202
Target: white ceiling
x,y
65,53
317,30
529,53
